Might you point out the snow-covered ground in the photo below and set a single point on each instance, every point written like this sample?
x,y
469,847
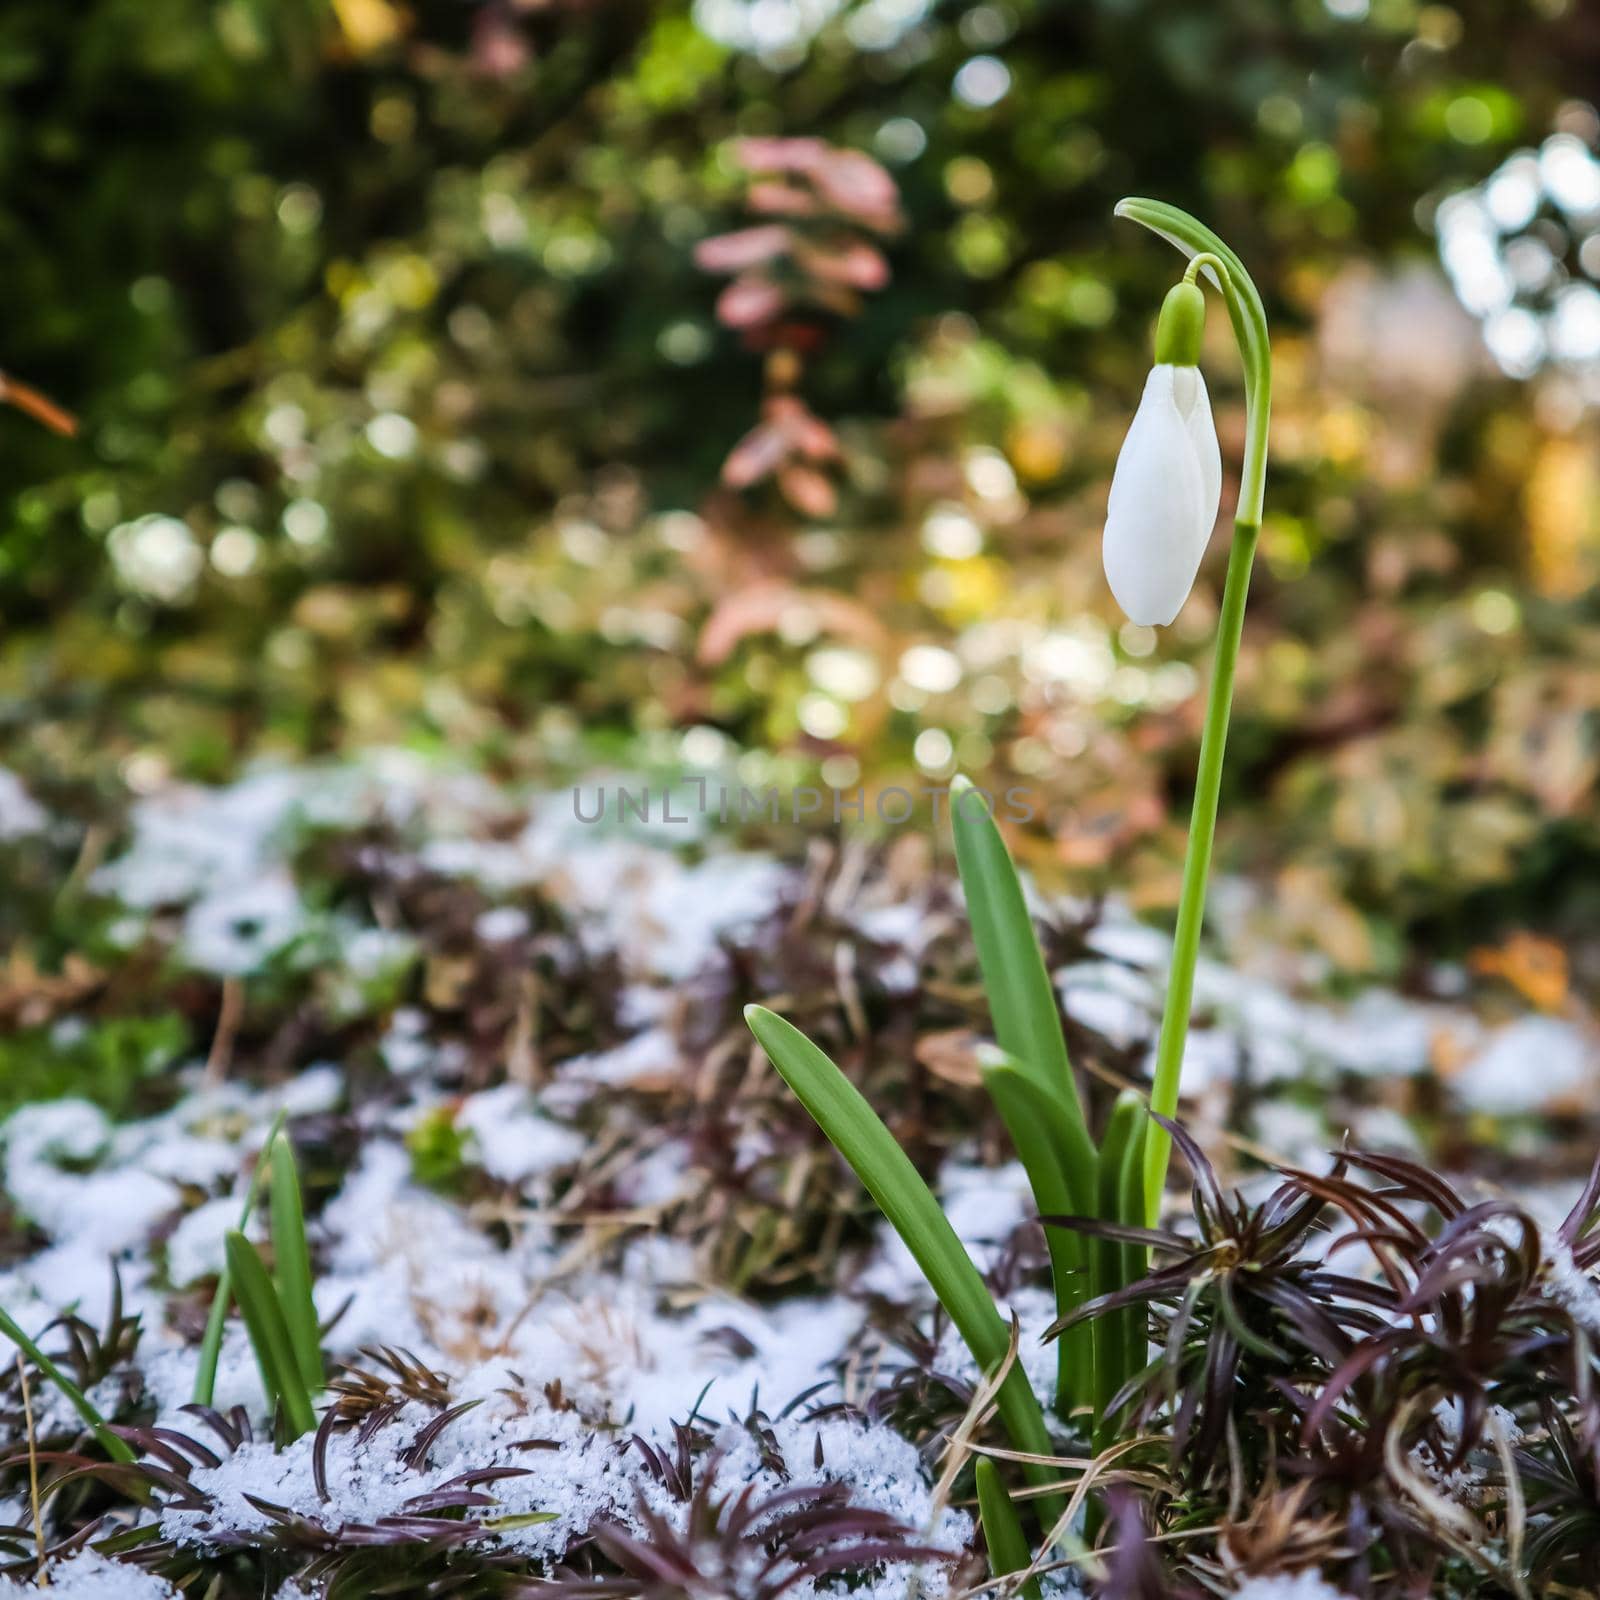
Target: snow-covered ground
x,y
571,1330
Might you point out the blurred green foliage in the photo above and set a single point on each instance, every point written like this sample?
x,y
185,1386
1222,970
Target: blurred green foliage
x,y
404,405
107,1062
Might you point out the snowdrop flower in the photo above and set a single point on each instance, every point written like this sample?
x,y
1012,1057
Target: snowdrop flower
x,y
1168,482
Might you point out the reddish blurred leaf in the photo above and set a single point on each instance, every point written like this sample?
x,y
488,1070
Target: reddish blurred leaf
x,y
748,247
780,155
853,262
499,49
749,300
852,182
762,608
808,491
755,457
952,1056
801,427
781,200
801,338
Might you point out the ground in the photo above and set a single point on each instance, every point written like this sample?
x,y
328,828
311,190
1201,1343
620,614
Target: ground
x,y
566,1220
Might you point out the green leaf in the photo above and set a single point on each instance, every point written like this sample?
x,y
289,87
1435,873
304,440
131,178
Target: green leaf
x,y
1030,1117
205,1377
1118,1150
1002,1530
858,1134
1022,1003
519,1519
292,1261
1135,1257
114,1447
269,1337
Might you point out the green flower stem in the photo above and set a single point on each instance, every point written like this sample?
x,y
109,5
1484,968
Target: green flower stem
x,y
857,1133
1204,259
1224,269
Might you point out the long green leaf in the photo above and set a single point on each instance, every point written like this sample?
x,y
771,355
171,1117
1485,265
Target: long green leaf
x,y
205,1376
1002,1529
292,1261
1022,1003
116,1448
1118,1149
858,1134
1135,1258
269,1337
1027,1114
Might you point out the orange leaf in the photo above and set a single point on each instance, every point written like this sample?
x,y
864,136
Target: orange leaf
x,y
1536,968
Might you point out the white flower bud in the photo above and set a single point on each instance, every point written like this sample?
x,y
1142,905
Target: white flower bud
x,y
1164,497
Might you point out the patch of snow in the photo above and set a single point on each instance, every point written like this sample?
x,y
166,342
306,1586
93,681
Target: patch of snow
x,y
1568,1284
237,928
194,1248
1295,1586
103,1213
21,816
514,1142
87,1576
1530,1065
1121,937
502,924
648,1055
985,1205
1117,1001
405,1046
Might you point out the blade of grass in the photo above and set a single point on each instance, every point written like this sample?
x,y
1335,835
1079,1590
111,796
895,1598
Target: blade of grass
x,y
1022,1003
205,1376
1002,1528
269,1337
1112,1357
858,1134
291,1260
1026,1112
117,1449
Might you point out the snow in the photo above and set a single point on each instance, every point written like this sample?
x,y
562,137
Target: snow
x,y
1535,1063
651,1054
21,816
87,1576
237,928
96,1214
512,1141
985,1207
1117,1001
588,1477
1567,1284
1298,1586
624,1315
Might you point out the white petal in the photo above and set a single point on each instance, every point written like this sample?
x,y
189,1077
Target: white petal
x,y
1189,389
1156,526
